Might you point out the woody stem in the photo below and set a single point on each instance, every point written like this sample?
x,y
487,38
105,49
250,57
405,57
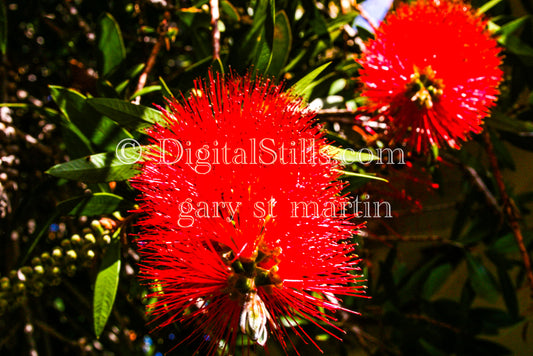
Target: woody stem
x,y
509,209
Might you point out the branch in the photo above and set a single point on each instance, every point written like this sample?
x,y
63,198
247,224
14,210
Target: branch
x,y
215,16
343,116
509,208
51,331
162,30
477,181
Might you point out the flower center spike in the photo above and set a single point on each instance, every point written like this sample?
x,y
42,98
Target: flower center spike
x,y
424,88
248,274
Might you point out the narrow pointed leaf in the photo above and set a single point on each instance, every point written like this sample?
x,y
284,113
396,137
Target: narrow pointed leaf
x,y
106,286
110,44
349,156
94,204
305,85
131,116
103,133
101,167
362,175
481,280
281,45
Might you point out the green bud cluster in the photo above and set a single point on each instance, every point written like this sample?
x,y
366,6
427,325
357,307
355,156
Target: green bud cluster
x,y
48,268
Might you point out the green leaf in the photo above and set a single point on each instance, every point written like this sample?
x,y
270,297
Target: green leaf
x,y
512,26
430,349
229,10
305,85
131,116
435,280
110,44
145,90
513,43
265,50
480,279
3,28
507,243
281,45
410,290
94,204
348,155
101,167
166,90
361,175
487,6
103,133
505,123
106,286
508,291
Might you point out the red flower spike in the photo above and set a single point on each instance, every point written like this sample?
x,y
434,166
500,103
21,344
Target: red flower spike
x,y
433,70
226,241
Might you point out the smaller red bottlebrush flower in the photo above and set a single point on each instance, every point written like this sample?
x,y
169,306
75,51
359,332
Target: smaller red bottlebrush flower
x,y
244,226
433,70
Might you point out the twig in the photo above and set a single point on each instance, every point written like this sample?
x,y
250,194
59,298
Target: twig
x,y
412,238
12,331
433,322
337,115
478,183
365,15
215,15
51,331
162,30
509,208
28,330
33,141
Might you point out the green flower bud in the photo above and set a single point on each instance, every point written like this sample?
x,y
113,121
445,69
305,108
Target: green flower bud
x,y
5,283
65,243
106,239
19,287
35,261
90,254
76,240
71,254
90,238
57,253
38,269
45,257
97,228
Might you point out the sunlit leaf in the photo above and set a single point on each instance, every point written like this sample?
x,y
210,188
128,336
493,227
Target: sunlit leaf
x,y
304,86
101,167
110,44
106,286
103,133
131,116
93,204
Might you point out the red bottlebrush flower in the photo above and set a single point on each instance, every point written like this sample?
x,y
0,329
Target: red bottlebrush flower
x,y
433,70
226,241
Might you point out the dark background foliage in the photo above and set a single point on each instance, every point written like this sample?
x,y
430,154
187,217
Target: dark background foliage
x,y
444,272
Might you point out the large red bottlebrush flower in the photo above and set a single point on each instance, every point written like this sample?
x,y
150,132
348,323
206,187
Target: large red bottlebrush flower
x,y
433,70
226,240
